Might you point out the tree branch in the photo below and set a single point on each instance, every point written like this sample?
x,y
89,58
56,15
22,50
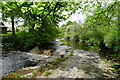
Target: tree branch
x,y
52,10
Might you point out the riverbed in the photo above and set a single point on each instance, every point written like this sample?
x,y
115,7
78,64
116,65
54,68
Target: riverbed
x,y
12,61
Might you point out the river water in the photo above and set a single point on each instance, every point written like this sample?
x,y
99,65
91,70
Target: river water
x,y
79,45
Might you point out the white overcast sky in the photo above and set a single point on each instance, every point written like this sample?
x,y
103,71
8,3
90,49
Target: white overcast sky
x,y
74,17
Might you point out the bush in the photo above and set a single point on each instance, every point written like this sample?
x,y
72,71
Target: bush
x,y
25,40
10,43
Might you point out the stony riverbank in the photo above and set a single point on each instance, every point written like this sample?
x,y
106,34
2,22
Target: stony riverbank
x,y
80,64
83,64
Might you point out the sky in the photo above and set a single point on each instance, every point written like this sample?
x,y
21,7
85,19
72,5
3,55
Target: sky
x,y
74,17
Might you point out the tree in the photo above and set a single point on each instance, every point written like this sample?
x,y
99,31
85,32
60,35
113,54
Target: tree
x,y
10,10
103,25
41,18
37,13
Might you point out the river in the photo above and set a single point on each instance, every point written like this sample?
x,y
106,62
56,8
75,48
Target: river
x,y
12,61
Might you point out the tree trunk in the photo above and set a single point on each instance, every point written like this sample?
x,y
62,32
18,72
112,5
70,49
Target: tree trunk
x,y
13,28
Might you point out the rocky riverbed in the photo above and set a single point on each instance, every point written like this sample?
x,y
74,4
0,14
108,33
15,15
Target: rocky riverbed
x,y
81,64
11,61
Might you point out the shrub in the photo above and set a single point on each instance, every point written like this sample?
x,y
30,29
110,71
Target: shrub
x,y
25,40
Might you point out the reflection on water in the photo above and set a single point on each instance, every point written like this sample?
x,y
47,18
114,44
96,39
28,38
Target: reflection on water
x,y
80,45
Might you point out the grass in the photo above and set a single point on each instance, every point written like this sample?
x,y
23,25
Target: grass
x,y
8,33
58,61
71,54
48,66
47,73
106,62
35,72
41,68
17,75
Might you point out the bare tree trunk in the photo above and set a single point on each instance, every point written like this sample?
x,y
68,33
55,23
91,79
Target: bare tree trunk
x,y
13,28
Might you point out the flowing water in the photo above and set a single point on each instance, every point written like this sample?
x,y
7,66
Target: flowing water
x,y
79,45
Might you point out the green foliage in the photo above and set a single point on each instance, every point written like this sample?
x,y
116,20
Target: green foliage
x,y
47,73
25,40
71,31
71,54
40,18
35,73
117,67
101,27
41,68
58,61
19,77
10,43
29,39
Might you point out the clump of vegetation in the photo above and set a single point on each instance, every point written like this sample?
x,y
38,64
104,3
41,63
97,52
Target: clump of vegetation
x,y
47,73
24,41
17,76
117,67
71,54
41,68
58,61
35,73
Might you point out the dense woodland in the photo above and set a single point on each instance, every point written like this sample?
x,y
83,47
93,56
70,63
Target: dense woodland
x,y
40,27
